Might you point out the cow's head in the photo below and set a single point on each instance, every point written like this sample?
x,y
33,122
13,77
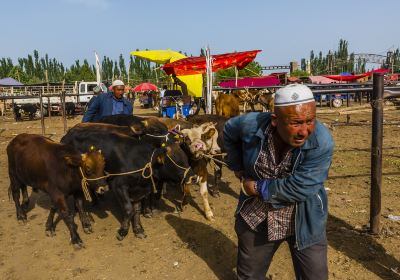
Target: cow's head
x,y
92,165
202,139
174,165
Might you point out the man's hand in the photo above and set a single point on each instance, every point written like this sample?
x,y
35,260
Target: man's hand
x,y
249,187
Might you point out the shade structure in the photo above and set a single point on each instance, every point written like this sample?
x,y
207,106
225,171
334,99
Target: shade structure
x,y
353,78
197,65
194,83
145,87
264,81
10,82
159,56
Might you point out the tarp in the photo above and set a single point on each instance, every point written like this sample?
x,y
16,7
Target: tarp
x,y
197,65
264,81
10,82
353,78
194,82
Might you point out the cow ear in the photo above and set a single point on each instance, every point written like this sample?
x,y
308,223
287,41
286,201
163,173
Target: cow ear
x,y
136,129
73,161
210,133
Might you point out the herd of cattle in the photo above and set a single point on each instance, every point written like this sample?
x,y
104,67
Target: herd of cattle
x,y
135,157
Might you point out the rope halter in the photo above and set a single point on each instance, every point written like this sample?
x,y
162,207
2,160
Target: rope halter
x,y
146,168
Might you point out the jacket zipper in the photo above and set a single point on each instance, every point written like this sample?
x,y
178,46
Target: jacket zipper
x,y
295,225
322,205
295,208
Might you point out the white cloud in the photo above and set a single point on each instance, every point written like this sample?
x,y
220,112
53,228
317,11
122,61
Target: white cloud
x,y
100,4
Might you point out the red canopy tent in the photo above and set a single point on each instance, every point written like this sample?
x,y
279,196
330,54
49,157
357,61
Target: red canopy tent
x,y
353,78
197,65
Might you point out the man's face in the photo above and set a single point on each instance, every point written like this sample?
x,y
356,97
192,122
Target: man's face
x,y
118,91
295,123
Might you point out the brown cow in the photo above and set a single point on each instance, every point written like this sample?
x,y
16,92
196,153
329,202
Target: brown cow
x,y
227,106
56,169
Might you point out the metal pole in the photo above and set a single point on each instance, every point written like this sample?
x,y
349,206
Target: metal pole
x,y
376,152
64,115
49,107
41,113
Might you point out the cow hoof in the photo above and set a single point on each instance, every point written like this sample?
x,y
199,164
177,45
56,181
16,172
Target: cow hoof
x,y
121,233
22,221
87,229
210,216
140,235
156,212
50,232
78,245
214,193
148,215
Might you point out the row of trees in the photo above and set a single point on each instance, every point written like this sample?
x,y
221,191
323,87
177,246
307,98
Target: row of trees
x,y
35,69
341,60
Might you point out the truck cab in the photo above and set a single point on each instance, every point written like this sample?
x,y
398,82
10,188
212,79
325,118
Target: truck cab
x,y
86,90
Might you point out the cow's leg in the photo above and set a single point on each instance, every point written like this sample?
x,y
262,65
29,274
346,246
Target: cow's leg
x,y
155,198
60,202
15,188
25,197
138,229
122,195
146,206
217,179
204,195
83,215
50,229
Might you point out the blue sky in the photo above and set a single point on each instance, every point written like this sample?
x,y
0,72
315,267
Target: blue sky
x,y
285,30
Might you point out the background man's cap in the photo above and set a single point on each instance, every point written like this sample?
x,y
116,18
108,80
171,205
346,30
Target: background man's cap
x,y
97,89
293,94
117,83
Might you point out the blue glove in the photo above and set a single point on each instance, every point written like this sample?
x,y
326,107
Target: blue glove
x,y
263,190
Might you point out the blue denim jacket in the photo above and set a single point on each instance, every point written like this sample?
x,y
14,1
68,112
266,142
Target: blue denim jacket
x,y
243,139
102,105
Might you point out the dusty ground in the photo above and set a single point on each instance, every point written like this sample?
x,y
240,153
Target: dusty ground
x,y
188,246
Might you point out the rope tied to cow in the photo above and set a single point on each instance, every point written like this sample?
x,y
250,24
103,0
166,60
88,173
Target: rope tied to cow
x,y
212,158
186,170
165,136
148,166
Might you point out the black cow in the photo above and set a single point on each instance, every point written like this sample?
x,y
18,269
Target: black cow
x,y
56,169
28,108
150,126
124,154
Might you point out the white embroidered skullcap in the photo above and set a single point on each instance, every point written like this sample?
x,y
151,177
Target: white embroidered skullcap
x,y
293,94
117,83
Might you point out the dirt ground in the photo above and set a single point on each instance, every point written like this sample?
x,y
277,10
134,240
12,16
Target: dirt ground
x,y
187,246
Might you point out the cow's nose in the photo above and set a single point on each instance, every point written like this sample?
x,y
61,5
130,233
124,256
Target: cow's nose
x,y
198,146
194,179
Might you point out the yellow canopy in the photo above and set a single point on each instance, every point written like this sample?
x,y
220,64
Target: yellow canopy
x,y
194,82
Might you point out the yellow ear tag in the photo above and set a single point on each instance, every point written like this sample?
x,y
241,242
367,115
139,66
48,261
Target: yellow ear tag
x,y
163,145
92,148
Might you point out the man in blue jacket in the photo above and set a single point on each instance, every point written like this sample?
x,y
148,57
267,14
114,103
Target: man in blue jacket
x,y
109,103
283,159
